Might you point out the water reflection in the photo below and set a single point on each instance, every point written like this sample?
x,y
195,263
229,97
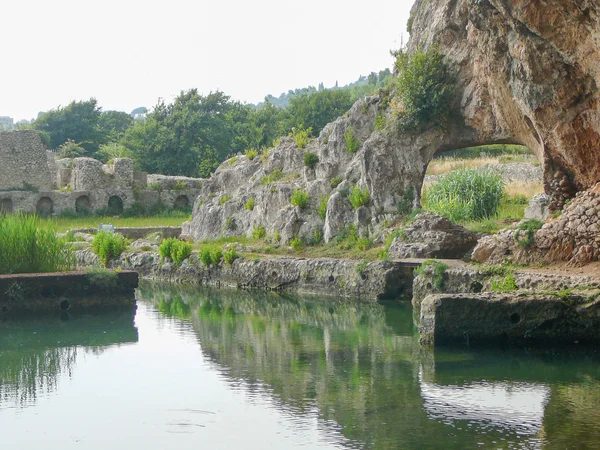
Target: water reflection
x,y
360,367
34,354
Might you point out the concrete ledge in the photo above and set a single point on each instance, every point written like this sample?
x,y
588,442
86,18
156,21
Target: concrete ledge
x,y
492,318
33,294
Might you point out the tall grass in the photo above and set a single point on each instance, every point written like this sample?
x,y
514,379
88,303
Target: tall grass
x,y
466,195
26,247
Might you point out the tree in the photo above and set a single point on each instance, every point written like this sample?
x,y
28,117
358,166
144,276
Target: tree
x,y
113,125
78,121
318,109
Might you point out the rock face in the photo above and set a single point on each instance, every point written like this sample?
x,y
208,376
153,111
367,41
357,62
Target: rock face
x,y
527,73
432,236
538,207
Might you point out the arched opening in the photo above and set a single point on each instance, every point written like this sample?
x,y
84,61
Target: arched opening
x,y
82,204
115,205
182,202
6,206
514,166
44,207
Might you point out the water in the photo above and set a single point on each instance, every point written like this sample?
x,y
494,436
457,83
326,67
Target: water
x,y
227,370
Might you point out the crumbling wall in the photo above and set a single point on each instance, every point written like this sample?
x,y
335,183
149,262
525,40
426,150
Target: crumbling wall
x,y
23,161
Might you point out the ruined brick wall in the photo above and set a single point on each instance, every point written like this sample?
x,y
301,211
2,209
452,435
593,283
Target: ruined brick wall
x,y
23,161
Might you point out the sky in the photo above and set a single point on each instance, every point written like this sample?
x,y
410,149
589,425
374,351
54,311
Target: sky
x,y
130,53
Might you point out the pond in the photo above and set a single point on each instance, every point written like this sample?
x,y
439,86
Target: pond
x,y
195,368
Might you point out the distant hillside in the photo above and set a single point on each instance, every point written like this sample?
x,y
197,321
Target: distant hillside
x,y
363,86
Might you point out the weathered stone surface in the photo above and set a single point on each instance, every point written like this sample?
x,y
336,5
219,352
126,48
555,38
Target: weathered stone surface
x,y
539,207
432,236
528,318
324,276
23,161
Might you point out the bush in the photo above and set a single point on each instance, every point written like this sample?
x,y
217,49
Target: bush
x,y
529,227
359,197
224,199
301,136
258,232
230,255
297,244
439,272
352,142
70,149
323,206
425,89
175,249
205,256
466,195
335,182
230,224
299,198
180,185
26,248
311,160
108,245
249,205
216,255
251,153
274,176
379,122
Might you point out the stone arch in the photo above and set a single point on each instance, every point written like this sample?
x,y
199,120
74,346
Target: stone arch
x,y
44,206
6,206
115,205
82,204
181,202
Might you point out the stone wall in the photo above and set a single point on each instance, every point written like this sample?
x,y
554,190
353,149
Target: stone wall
x,y
23,161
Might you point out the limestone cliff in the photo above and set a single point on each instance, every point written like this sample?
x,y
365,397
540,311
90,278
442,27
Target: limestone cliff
x,y
526,72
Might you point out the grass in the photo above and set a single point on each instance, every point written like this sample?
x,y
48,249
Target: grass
x,y
62,224
478,158
28,247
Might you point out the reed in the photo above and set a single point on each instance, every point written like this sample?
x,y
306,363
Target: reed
x,y
28,247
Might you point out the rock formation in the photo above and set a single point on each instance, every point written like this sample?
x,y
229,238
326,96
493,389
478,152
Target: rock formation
x,y
525,73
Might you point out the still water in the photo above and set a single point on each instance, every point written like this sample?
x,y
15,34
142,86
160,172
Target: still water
x,y
198,369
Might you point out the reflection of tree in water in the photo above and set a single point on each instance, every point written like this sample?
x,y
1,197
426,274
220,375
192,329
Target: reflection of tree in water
x,y
26,375
35,354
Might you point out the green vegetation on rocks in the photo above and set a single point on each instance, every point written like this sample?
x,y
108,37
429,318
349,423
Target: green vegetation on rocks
x,y
175,249
108,246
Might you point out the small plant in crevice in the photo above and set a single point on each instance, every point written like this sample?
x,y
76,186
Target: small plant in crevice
x,y
224,199
361,267
299,198
359,197
251,153
335,182
249,205
297,244
258,232
505,284
230,224
301,136
352,142
274,176
404,202
439,273
229,256
529,227
175,249
311,160
323,206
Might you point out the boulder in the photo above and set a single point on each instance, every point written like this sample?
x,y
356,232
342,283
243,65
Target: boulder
x,y
539,207
432,236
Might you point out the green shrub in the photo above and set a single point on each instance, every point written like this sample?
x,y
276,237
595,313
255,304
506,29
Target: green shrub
x,y
299,198
249,205
70,149
323,206
224,199
27,248
251,153
529,227
317,237
108,245
301,136
466,195
425,89
508,283
216,255
297,244
359,197
379,122
258,232
230,256
364,243
311,160
232,161
102,279
205,256
277,236
175,249
274,176
439,272
335,182
180,185
361,266
352,142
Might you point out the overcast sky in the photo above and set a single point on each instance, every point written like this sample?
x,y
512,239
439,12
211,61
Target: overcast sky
x,y
128,53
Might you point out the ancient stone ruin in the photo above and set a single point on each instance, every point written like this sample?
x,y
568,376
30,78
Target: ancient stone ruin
x,y
33,180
